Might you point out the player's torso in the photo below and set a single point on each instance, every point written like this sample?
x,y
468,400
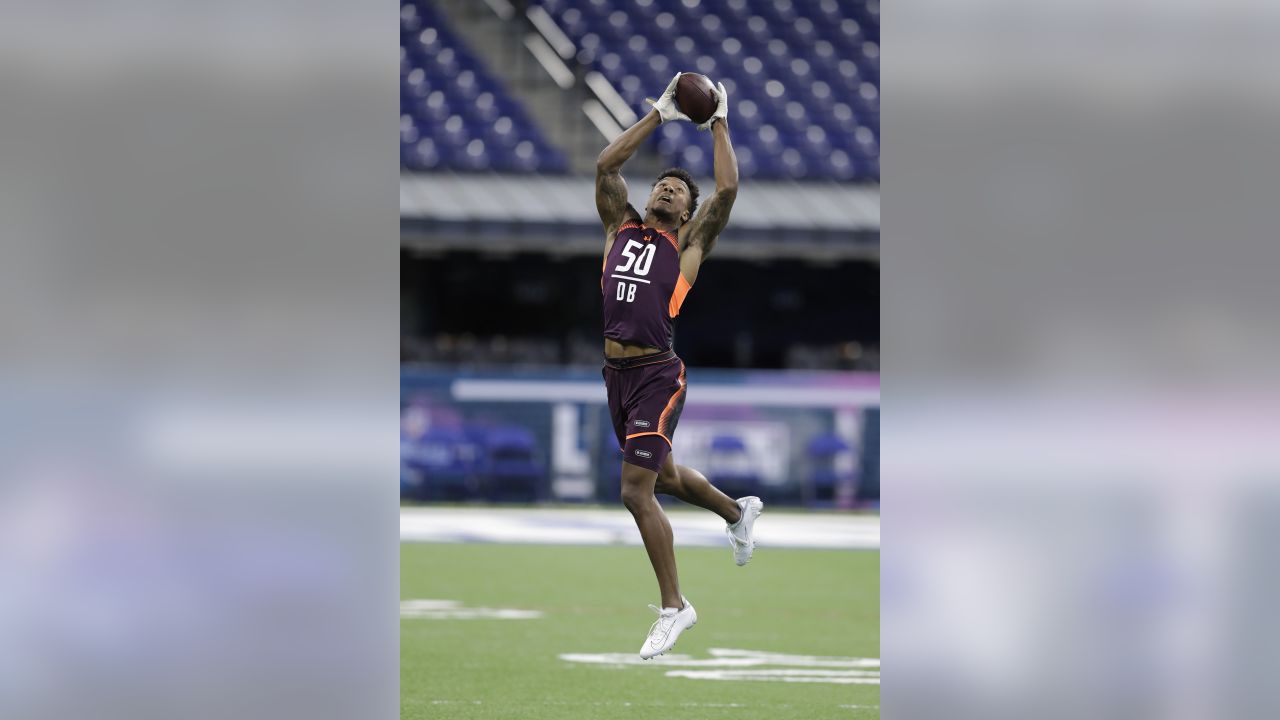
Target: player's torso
x,y
640,284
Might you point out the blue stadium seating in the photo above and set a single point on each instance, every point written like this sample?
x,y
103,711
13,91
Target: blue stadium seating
x,y
453,113
436,463
823,452
731,468
511,469
803,76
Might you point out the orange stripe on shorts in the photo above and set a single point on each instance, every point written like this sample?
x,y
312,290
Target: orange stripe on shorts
x,y
664,437
671,404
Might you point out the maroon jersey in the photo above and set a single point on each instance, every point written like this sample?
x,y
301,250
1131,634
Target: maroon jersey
x,y
643,287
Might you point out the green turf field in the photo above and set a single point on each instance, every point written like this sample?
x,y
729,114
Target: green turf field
x,y
593,600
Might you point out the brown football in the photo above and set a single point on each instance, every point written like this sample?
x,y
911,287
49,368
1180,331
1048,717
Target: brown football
x,y
696,97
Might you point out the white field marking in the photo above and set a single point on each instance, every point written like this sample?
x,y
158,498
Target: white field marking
x,y
726,659
730,664
453,610
614,526
856,707
771,658
838,677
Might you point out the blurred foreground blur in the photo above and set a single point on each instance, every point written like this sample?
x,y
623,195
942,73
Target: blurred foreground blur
x,y
197,362
1080,435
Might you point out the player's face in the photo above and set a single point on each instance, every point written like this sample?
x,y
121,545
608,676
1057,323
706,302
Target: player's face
x,y
670,198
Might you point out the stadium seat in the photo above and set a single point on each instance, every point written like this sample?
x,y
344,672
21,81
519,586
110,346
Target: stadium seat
x,y
823,451
511,470
450,105
731,468
437,460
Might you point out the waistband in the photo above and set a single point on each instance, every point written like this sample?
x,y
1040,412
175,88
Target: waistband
x,y
637,361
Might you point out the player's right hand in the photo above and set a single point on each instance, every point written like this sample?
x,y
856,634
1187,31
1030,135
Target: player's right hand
x,y
666,105
722,108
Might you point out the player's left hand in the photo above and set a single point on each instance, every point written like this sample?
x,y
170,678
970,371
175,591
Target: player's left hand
x,y
722,108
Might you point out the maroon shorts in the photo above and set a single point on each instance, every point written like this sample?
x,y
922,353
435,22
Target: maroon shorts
x,y
646,395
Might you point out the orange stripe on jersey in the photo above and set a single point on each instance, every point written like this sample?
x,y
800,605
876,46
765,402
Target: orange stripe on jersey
x,y
671,404
628,226
677,296
664,437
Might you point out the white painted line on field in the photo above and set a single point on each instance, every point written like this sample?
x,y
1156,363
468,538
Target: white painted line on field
x,y
838,677
772,658
454,610
729,664
616,527
724,659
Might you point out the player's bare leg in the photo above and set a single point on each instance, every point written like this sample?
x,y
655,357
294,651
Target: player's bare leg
x,y
740,515
693,487
676,614
637,495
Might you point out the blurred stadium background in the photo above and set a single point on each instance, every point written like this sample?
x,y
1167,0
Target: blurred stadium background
x,y
504,106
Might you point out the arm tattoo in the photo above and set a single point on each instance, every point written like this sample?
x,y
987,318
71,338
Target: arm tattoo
x,y
611,199
712,219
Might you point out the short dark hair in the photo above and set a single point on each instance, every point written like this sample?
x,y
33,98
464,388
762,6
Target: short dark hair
x,y
682,174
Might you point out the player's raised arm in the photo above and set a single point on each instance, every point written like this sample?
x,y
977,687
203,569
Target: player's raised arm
x,y
705,227
611,189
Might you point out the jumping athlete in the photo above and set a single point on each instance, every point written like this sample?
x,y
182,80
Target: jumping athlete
x,y
650,263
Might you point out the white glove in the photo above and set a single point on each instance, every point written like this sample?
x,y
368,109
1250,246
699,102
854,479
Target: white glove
x,y
722,108
666,105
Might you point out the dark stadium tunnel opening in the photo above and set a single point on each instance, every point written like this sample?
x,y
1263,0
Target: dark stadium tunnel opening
x,y
531,308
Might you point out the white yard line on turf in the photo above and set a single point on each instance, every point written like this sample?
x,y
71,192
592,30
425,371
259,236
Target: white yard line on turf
x,y
592,526
453,610
728,664
837,677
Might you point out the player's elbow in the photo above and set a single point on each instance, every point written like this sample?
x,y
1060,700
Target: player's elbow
x,y
728,189
607,163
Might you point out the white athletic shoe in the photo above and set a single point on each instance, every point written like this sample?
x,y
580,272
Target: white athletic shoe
x,y
671,622
740,532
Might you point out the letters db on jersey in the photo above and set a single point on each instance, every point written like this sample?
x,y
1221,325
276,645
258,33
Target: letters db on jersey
x,y
642,285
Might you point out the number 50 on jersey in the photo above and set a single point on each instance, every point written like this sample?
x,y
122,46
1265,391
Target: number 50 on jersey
x,y
637,264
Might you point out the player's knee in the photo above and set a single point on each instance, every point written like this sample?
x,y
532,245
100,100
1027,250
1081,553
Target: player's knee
x,y
637,488
636,499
